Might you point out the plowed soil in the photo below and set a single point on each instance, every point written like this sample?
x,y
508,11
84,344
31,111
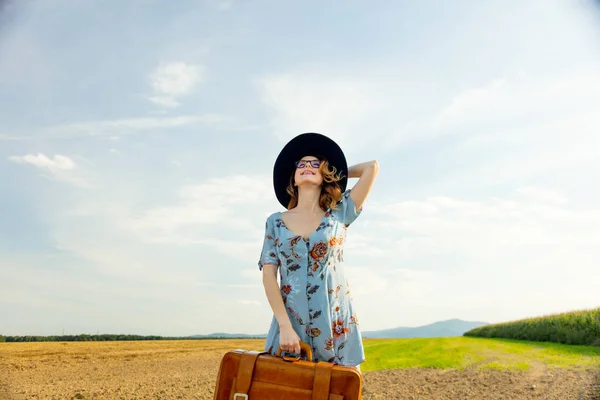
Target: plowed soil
x,y
188,370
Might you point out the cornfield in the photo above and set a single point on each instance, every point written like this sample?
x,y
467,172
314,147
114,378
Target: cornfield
x,y
576,327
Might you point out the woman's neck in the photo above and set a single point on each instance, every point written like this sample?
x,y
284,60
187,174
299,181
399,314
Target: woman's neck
x,y
308,199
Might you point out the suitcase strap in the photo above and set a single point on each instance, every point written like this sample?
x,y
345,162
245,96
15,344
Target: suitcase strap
x,y
322,380
243,379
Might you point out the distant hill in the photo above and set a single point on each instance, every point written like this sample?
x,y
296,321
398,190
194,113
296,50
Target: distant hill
x,y
451,327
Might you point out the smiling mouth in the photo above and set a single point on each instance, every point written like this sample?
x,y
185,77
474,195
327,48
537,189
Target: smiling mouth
x,y
307,172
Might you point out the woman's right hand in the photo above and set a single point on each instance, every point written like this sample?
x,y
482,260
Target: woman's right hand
x,y
289,340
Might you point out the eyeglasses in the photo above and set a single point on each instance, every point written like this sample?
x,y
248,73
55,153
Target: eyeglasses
x,y
313,163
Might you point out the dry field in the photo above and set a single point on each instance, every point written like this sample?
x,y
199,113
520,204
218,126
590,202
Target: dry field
x,y
188,369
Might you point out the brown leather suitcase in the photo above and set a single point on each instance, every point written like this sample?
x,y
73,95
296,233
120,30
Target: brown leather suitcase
x,y
253,375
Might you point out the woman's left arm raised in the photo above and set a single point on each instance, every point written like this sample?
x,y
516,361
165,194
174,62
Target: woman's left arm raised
x,y
366,172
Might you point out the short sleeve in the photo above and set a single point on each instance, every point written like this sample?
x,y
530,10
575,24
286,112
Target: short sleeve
x,y
346,211
268,254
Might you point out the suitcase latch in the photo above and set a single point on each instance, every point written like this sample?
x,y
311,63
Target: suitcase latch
x,y
240,395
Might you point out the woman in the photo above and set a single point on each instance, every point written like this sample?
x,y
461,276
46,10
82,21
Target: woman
x,y
304,246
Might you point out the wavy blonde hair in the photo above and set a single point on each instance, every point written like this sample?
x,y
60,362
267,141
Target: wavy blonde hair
x,y
331,192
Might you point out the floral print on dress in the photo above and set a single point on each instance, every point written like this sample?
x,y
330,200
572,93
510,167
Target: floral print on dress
x,y
313,285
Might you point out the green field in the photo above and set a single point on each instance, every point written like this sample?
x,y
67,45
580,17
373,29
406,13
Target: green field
x,y
462,352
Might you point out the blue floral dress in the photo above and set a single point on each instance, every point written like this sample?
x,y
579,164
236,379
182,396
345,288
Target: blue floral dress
x,y
313,286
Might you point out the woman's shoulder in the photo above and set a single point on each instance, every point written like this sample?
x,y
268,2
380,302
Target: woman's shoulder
x,y
343,196
274,218
274,215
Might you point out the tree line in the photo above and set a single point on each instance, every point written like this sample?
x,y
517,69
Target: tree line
x,y
112,337
85,338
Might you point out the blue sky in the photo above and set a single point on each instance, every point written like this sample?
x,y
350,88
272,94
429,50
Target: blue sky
x,y
137,144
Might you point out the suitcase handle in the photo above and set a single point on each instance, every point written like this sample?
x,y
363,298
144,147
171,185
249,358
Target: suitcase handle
x,y
303,346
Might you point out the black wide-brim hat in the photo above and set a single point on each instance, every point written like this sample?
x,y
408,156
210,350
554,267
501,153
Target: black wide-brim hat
x,y
306,144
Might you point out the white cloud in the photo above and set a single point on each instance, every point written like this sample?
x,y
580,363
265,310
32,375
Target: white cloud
x,y
212,284
534,216
364,244
173,80
217,201
445,257
113,129
220,214
528,124
136,124
176,78
513,129
343,108
377,291
61,168
246,285
250,302
59,162
164,101
437,257
532,235
521,101
515,110
541,195
6,136
110,238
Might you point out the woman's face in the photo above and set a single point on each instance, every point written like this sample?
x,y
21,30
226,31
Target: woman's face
x,y
308,171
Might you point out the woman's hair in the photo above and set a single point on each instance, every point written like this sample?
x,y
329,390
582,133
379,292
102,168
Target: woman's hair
x,y
331,193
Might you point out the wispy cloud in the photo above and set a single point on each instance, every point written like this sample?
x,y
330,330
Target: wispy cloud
x,y
113,129
164,101
494,230
174,80
469,252
5,136
540,195
215,201
250,302
514,109
341,107
61,168
396,286
55,164
133,125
